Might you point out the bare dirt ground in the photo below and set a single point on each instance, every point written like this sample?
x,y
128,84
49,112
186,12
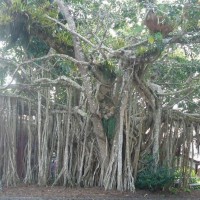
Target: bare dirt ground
x,y
60,193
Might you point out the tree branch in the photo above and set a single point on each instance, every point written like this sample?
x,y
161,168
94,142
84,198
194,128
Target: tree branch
x,y
71,31
188,89
177,115
56,55
59,80
43,34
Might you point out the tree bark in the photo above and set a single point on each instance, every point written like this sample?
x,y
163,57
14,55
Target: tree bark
x,y
120,141
156,132
67,132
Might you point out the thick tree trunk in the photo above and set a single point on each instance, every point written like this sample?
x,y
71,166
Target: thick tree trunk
x,y
67,132
39,120
43,140
28,177
83,151
129,183
156,132
120,141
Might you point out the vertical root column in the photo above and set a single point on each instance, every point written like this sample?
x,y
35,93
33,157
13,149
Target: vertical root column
x,y
10,176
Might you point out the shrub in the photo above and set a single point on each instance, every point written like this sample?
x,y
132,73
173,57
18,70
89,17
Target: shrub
x,y
159,179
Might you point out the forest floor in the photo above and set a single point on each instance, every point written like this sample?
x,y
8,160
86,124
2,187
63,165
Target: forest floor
x,y
60,193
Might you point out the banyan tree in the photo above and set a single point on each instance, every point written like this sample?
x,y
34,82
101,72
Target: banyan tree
x,y
102,86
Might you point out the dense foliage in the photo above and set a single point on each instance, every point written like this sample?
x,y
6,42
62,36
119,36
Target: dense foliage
x,y
161,179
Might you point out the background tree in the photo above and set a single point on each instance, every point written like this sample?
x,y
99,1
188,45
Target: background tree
x,y
99,88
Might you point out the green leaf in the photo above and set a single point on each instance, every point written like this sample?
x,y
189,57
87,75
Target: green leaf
x,y
151,39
